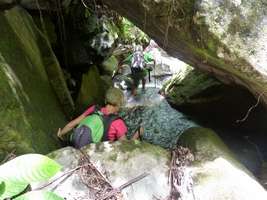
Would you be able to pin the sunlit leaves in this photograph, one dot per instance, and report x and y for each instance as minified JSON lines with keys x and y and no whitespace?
{"x":26,"y":169}
{"x":12,"y":188}
{"x":2,"y":187}
{"x":39,"y":195}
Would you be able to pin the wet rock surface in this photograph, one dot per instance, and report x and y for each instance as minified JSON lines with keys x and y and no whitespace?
{"x":161,"y":122}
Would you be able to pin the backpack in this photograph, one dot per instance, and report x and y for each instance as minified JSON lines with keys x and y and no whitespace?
{"x":93,"y":129}
{"x":138,"y":62}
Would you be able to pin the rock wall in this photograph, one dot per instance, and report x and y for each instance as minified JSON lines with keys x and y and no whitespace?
{"x":29,"y":109}
{"x":92,"y":90}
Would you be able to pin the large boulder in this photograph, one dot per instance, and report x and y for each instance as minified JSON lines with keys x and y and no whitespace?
{"x":92,"y":90}
{"x":29,"y":109}
{"x":216,"y":174}
{"x":225,"y":38}
{"x":110,"y":65}
{"x":120,"y":162}
{"x":162,"y":124}
{"x":192,"y":87}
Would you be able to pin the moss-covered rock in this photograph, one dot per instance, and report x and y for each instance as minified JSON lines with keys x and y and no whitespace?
{"x":45,"y":24}
{"x":216,"y":172}
{"x":92,"y":90}
{"x":205,"y":144}
{"x":110,"y":65}
{"x":192,"y":87}
{"x":29,"y":110}
{"x":215,"y":176}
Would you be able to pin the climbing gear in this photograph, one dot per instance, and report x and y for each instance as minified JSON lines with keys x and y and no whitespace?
{"x":114,"y":96}
{"x":93,"y":129}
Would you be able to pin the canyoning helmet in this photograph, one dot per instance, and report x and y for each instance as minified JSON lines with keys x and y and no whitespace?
{"x":138,"y":47}
{"x":114,"y":96}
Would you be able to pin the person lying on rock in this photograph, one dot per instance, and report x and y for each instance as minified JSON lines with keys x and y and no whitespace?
{"x":96,"y":125}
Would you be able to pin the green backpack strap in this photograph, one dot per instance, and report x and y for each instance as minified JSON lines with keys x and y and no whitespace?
{"x":94,"y":121}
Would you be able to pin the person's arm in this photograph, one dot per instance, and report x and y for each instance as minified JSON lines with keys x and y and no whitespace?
{"x":137,"y":135}
{"x":70,"y":126}
{"x":118,"y":130}
{"x":122,"y":138}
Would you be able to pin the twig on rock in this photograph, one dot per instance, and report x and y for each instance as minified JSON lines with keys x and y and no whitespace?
{"x":250,"y":109}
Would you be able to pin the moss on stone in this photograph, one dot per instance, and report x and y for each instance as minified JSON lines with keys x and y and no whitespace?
{"x":99,"y":147}
{"x":113,"y":157}
{"x":30,"y":113}
{"x":48,"y":28}
{"x":136,"y":146}
{"x":193,"y":87}
{"x":206,"y":145}
{"x":92,"y":90}
{"x":109,"y":66}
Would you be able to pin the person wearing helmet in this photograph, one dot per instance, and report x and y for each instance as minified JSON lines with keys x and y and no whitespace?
{"x":96,"y":125}
{"x":138,"y":62}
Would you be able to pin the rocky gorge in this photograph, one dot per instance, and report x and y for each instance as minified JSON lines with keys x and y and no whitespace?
{"x":56,"y":58}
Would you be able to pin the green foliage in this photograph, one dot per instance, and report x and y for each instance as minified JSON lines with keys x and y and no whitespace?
{"x":40,"y":195}
{"x":12,"y":188}
{"x":18,"y":173}
{"x":2,"y":187}
{"x":130,"y":33}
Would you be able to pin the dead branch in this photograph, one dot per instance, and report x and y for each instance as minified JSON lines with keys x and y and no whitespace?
{"x":9,"y":156}
{"x":181,"y":158}
{"x":62,"y":175}
{"x":250,"y":109}
{"x":134,"y":180}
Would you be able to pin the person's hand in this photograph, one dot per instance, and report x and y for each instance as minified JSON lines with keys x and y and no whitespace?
{"x":59,"y":134}
{"x":141,"y":130}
